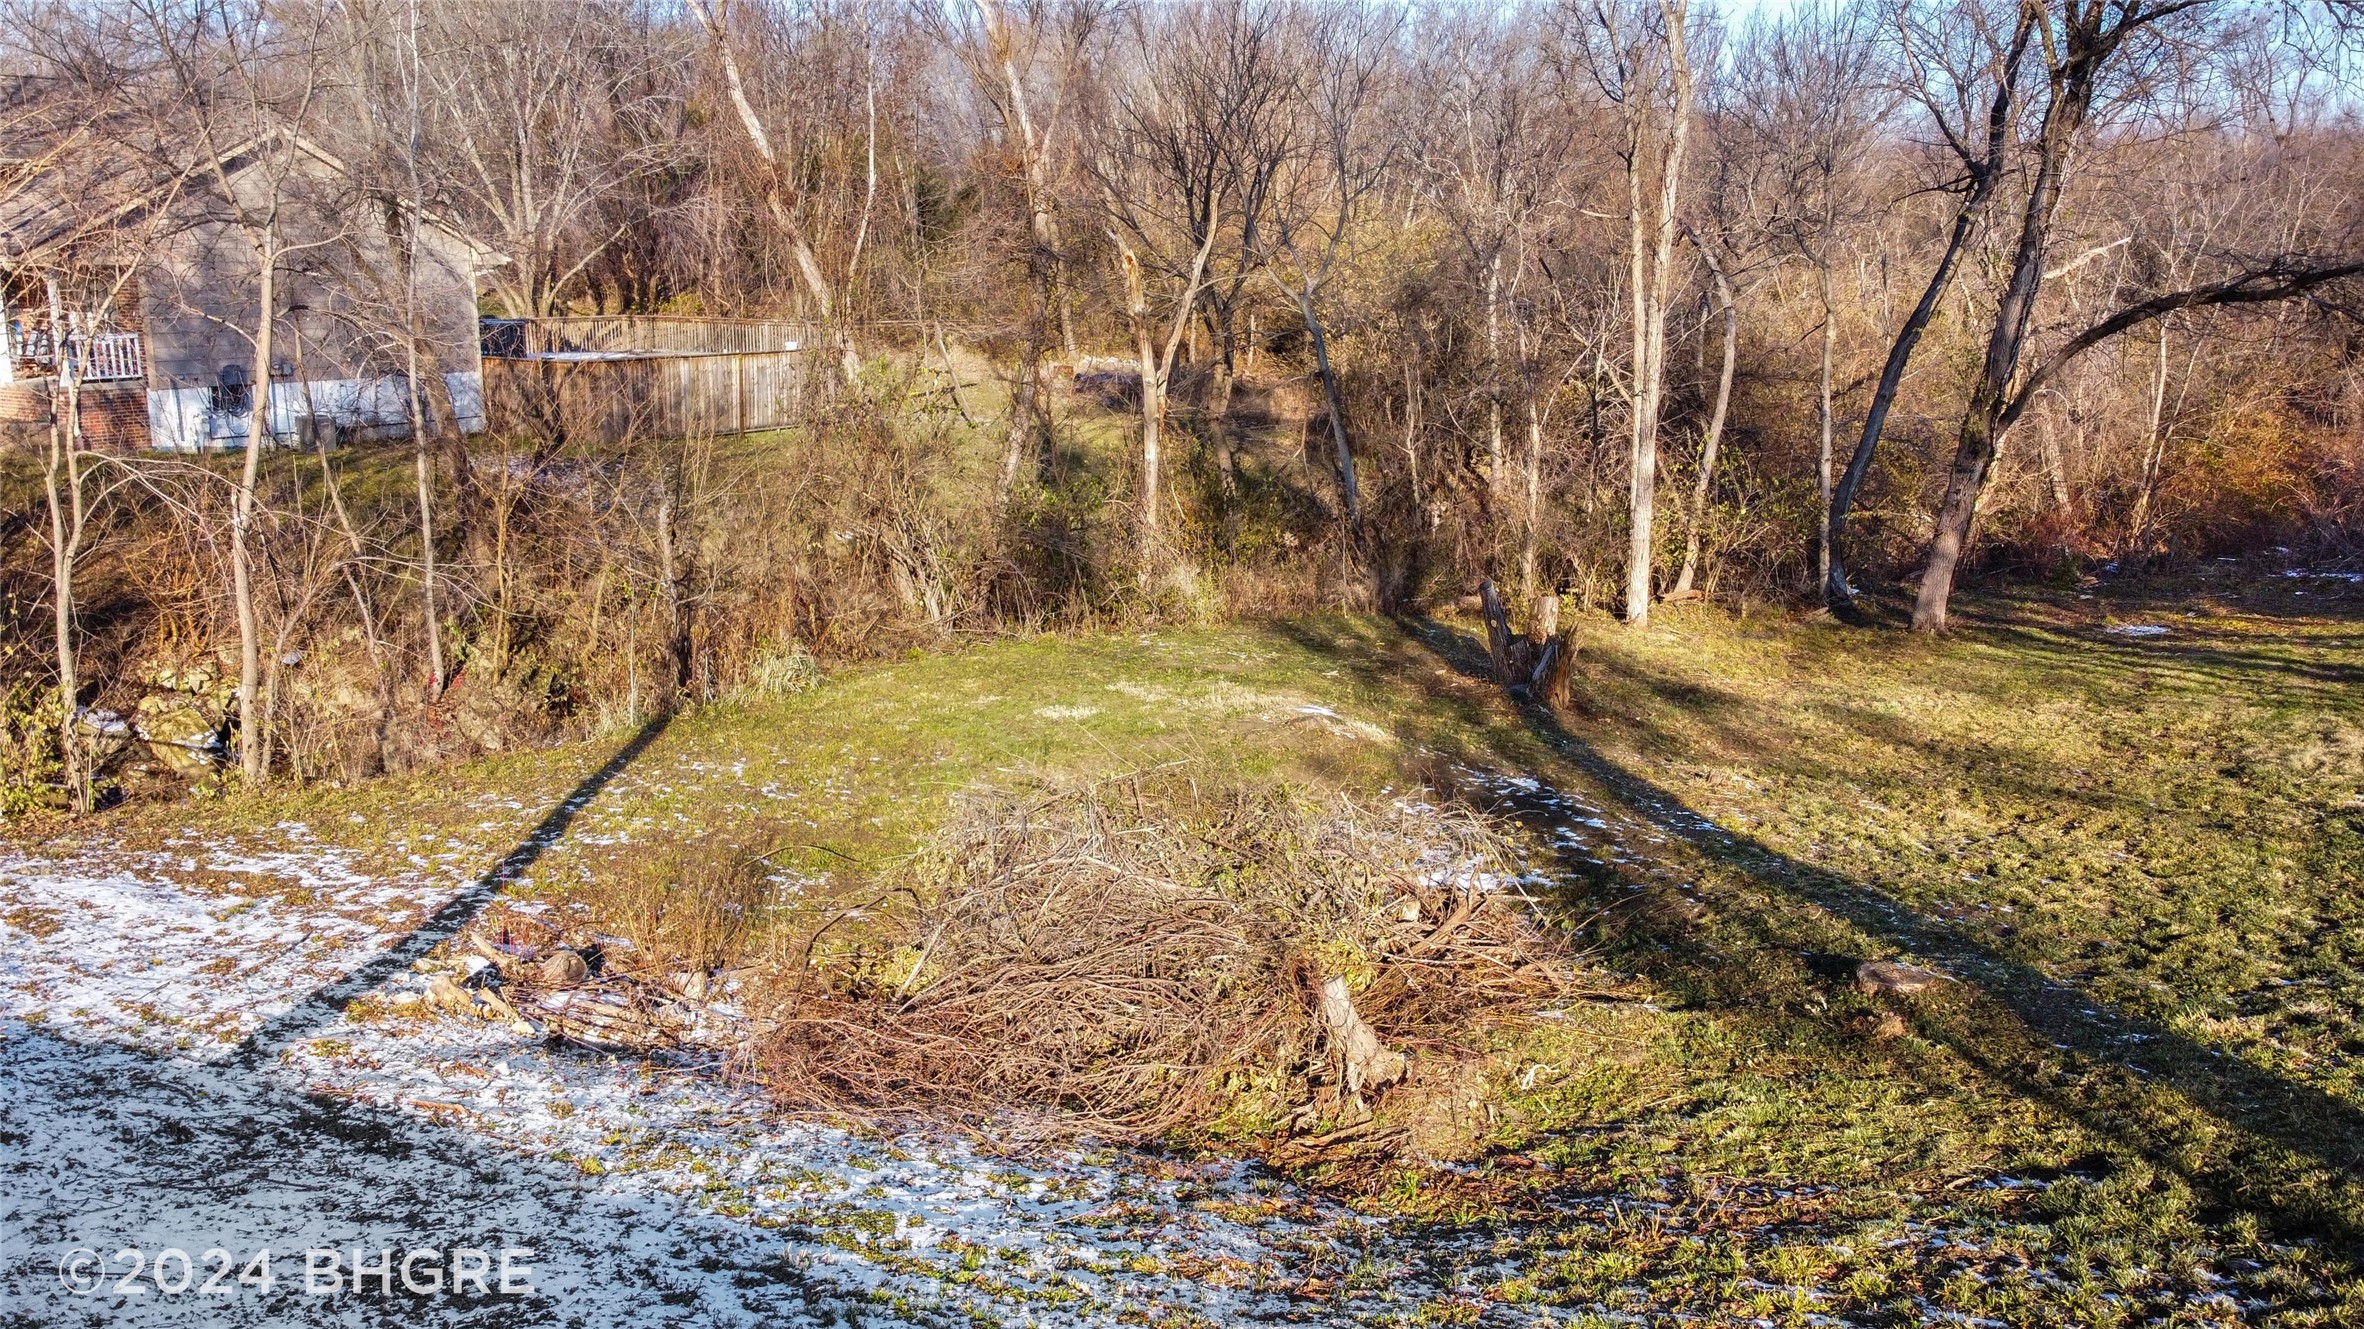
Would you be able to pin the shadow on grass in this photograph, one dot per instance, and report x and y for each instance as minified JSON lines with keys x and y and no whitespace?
{"x":326,"y":1006}
{"x":2294,"y":1154}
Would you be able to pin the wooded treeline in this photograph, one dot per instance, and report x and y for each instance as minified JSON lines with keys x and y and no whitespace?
{"x":1631,"y":298}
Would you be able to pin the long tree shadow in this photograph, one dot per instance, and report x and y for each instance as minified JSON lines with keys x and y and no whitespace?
{"x":327,"y":1005}
{"x":2194,"y":658}
{"x":2295,"y":1154}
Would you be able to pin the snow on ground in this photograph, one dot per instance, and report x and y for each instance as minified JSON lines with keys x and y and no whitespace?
{"x":105,"y":1149}
{"x":193,"y":946}
{"x":930,"y":1223}
{"x":128,"y":979}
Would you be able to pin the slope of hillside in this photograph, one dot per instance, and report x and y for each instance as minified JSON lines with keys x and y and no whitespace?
{"x":2132,"y":1094}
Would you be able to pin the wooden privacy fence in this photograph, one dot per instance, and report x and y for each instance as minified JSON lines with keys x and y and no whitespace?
{"x":607,"y":380}
{"x":519,"y":337}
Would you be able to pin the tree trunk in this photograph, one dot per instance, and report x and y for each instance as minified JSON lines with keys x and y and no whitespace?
{"x":677,"y":633}
{"x":1496,"y":480}
{"x":2055,"y":468}
{"x":1153,"y":397}
{"x":1984,"y":173}
{"x":2154,"y":449}
{"x":258,"y":423}
{"x":1822,"y":461}
{"x":1349,"y":490}
{"x":1498,"y":634}
{"x":1714,"y":437}
{"x":1652,"y":243}
{"x":1030,"y":417}
{"x":420,"y":435}
{"x":423,"y":467}
{"x":1412,"y":431}
{"x":1156,"y":368}
{"x":1529,"y":546}
{"x":65,"y":532}
{"x":1019,"y":439}
{"x":808,"y":265}
{"x":1974,"y":452}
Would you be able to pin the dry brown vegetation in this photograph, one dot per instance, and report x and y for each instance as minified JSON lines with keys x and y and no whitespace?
{"x":1134,"y":959}
{"x":1180,"y":311}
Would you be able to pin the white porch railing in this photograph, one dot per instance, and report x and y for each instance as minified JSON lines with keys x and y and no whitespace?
{"x":30,"y":348}
{"x":100,"y":357}
{"x":111,"y":355}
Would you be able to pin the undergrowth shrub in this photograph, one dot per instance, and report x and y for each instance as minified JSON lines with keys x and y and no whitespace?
{"x":692,"y":906}
{"x":32,"y":771}
{"x":782,"y":669}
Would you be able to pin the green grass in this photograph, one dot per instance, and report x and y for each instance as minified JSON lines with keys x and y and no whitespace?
{"x":2140,"y":1103}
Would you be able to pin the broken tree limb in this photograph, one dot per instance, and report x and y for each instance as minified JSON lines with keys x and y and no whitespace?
{"x":1555,"y":672}
{"x":1545,"y":662}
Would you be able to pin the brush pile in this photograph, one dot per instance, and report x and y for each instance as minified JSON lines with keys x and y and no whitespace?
{"x":1129,"y":959}
{"x":1126,"y":961}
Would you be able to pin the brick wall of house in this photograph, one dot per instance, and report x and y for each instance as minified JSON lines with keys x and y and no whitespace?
{"x":114,"y":415}
{"x":25,"y":403}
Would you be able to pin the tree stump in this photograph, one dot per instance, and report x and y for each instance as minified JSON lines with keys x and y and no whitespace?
{"x":1368,"y":1063}
{"x":1498,"y":635}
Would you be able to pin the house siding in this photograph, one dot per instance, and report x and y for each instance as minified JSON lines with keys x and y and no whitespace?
{"x":184,"y":420}
{"x":334,"y":364}
{"x":339,"y":360}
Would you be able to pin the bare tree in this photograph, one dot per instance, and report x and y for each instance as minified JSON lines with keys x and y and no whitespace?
{"x":2084,"y":43}
{"x":1163,"y":164}
{"x":1322,"y":187}
{"x":779,"y":192}
{"x":1003,"y":54}
{"x":1493,"y":159}
{"x":1813,"y":113}
{"x":243,"y":79}
{"x":1712,"y":437}
{"x":1638,"y":56}
{"x":1967,"y":76}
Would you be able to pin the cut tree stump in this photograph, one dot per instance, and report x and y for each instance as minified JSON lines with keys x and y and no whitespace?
{"x":1498,"y":635}
{"x":1533,"y":667}
{"x":1547,"y":619}
{"x":1369,"y":1063}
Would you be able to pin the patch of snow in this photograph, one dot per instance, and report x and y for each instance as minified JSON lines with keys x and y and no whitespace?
{"x":128,"y":946}
{"x":650,"y":1195}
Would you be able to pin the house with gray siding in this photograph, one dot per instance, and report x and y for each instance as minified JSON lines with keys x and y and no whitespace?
{"x":140,"y":283}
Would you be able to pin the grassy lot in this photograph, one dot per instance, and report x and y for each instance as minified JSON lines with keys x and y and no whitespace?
{"x":2138,"y":855}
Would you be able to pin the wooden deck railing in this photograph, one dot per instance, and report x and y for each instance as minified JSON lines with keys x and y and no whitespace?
{"x":100,"y":357}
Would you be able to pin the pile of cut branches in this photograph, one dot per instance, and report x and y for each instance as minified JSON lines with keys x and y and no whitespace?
{"x":539,"y":979}
{"x":1127,"y":959}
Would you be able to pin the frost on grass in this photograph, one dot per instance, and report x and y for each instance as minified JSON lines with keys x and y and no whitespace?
{"x":651,"y":1193}
{"x":193,"y":946}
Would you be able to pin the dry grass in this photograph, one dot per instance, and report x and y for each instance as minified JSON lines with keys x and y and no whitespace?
{"x":690,"y":906}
